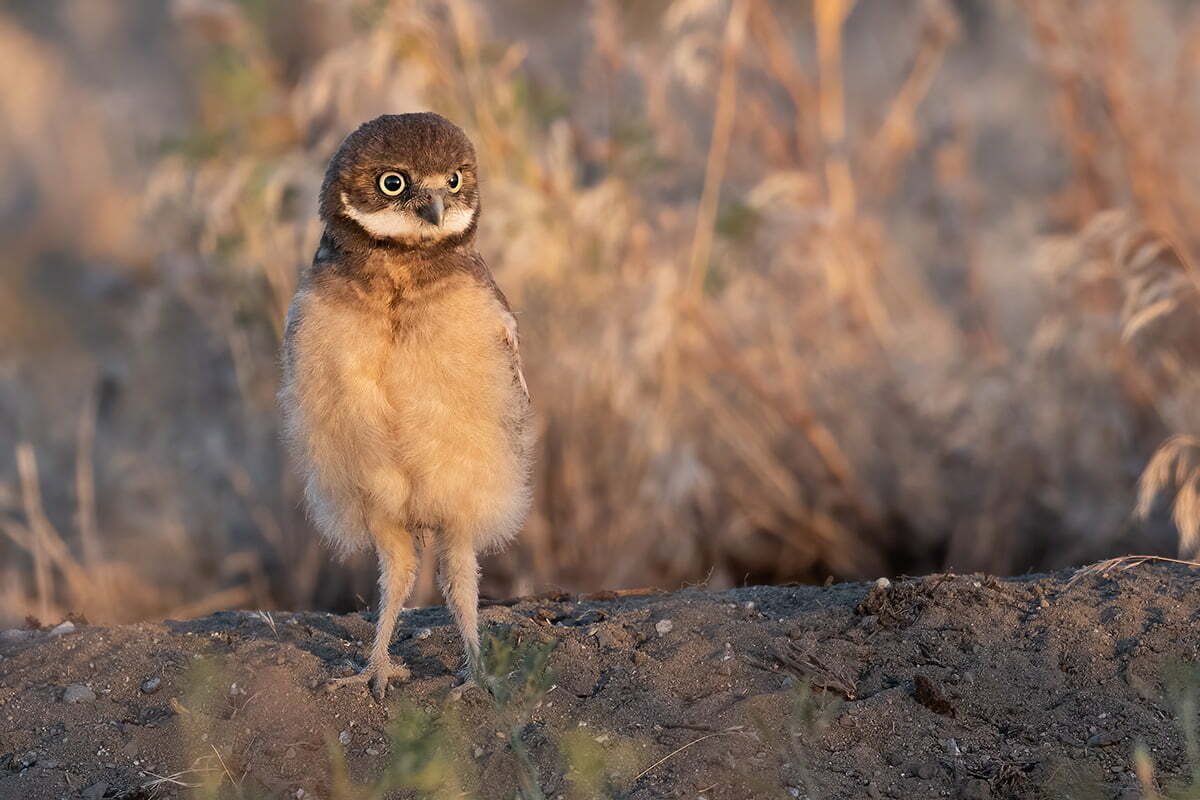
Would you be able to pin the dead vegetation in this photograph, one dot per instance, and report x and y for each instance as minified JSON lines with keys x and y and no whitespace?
{"x":800,"y":299}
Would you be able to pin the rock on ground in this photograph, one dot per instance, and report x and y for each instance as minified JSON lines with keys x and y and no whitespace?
{"x":944,"y":686}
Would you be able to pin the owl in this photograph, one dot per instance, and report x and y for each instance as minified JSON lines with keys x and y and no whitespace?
{"x":402,"y":394}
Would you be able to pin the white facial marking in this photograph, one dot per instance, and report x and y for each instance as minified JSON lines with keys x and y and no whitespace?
{"x":392,"y":224}
{"x":456,"y":220}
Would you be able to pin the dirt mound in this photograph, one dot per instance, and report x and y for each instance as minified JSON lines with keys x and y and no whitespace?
{"x":959,"y":686}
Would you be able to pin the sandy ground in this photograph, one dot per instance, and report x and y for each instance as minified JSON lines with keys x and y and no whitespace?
{"x":943,"y":686}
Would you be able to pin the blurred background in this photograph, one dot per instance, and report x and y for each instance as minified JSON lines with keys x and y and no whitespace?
{"x":808,"y":290}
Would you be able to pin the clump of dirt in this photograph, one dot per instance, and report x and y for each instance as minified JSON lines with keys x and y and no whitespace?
{"x":945,"y":686}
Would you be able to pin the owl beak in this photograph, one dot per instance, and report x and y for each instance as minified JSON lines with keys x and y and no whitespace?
{"x":433,"y":210}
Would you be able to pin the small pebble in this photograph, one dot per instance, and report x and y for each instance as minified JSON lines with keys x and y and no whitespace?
{"x":151,"y":685}
{"x":423,"y":633}
{"x":1103,"y":739}
{"x":344,"y":737}
{"x":883,"y":583}
{"x":371,"y":751}
{"x":78,"y":693}
{"x":664,"y":626}
{"x":64,"y":628}
{"x":606,"y":639}
{"x":95,"y":791}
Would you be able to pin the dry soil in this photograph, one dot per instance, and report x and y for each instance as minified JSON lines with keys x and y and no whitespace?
{"x":944,"y":686}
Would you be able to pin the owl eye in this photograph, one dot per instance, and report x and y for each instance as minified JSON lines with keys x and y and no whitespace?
{"x":455,"y":182}
{"x":391,"y":183}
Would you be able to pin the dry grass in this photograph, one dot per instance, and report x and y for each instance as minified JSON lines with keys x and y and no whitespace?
{"x":1121,"y":564}
{"x":1176,"y":468}
{"x":807,"y":289}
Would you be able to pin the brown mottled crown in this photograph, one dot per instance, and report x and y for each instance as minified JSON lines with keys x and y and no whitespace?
{"x":426,"y":148}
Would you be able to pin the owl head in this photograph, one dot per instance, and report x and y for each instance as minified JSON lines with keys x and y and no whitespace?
{"x":403,"y":180}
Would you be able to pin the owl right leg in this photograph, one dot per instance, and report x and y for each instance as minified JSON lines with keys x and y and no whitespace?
{"x":398,"y":562}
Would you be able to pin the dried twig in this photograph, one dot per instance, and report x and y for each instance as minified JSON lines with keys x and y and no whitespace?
{"x":1123,"y":563}
{"x":718,"y":149}
{"x":671,"y":755}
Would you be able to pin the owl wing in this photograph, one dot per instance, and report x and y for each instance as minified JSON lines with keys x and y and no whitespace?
{"x":509,"y":334}
{"x":514,"y":350}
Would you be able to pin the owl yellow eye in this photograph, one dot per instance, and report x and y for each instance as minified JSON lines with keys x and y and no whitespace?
{"x":392,"y":183}
{"x":455,"y":183}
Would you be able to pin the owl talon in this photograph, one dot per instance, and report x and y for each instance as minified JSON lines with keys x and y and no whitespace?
{"x":470,"y":684}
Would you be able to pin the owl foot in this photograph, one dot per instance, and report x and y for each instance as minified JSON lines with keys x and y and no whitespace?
{"x":376,"y":676}
{"x":472,"y":678}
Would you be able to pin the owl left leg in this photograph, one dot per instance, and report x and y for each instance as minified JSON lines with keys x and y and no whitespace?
{"x":458,"y":574}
